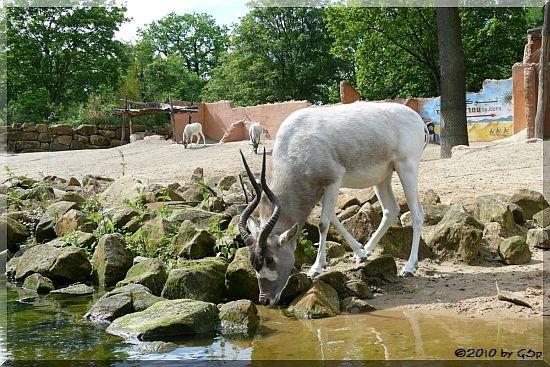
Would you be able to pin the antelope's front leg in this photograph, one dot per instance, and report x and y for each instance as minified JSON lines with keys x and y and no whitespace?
{"x":329,"y":203}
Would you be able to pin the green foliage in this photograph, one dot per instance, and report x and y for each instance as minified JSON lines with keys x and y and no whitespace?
{"x":306,"y":245}
{"x":14,"y":198}
{"x":277,"y":54}
{"x":123,"y":164}
{"x":225,"y":247}
{"x":58,"y":56}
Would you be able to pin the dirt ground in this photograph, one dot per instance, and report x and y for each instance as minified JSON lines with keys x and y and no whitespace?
{"x":484,"y":168}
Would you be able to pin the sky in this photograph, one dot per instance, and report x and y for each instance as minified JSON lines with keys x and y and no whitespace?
{"x":225,"y":12}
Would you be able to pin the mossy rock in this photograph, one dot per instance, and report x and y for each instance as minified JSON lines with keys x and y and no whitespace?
{"x":542,"y":218}
{"x":514,"y":251}
{"x":111,"y":260}
{"x":192,"y":243}
{"x":150,"y":272}
{"x":531,"y":202}
{"x":38,"y":283}
{"x":239,"y":318}
{"x":240,"y":278}
{"x":173,"y":318}
{"x":320,"y":301}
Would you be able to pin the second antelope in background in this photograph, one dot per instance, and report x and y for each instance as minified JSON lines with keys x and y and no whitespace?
{"x":194,"y":129}
{"x":255,"y":131}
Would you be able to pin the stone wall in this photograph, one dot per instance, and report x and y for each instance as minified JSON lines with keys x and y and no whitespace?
{"x":30,"y":137}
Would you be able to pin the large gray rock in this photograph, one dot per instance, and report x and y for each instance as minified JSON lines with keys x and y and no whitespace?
{"x":239,"y":318}
{"x":529,"y":201}
{"x":121,"y":301}
{"x":125,"y":187}
{"x":538,"y":237}
{"x":355,"y":305}
{"x":38,"y":283}
{"x":514,"y":251}
{"x":158,"y":229}
{"x":111,"y":260}
{"x":150,"y":272}
{"x":61,"y":264}
{"x":363,"y":224}
{"x":77,"y":289}
{"x":45,"y":229}
{"x":192,"y":243}
{"x":13,"y":233}
{"x":39,"y":193}
{"x":240,"y":278}
{"x":493,"y":208}
{"x":121,"y":216}
{"x":457,"y":237}
{"x":167,"y":319}
{"x":321,"y":300}
{"x":542,"y":218}
{"x":73,"y":220}
{"x":201,"y":280}
{"x":397,"y":242}
{"x":200,"y":218}
{"x":297,"y":284}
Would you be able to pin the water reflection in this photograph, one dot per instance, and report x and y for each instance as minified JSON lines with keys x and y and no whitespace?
{"x":52,"y":328}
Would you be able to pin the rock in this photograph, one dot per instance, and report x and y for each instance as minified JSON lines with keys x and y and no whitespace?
{"x":111,"y":260}
{"x":514,"y":251}
{"x":167,"y":319}
{"x":321,"y":300}
{"x":457,"y":237}
{"x":429,"y":197}
{"x":150,"y":272}
{"x":78,"y":239}
{"x":158,"y":229}
{"x":121,"y":301}
{"x":239,"y":318}
{"x":542,"y":218}
{"x":538,"y":237}
{"x":192,"y":195}
{"x":39,"y":193}
{"x":355,"y":305}
{"x":200,"y":218}
{"x":226,"y":183}
{"x":158,"y":193}
{"x":529,"y":201}
{"x":337,"y":280}
{"x":517,"y":212}
{"x":196,"y":176}
{"x":311,"y":227}
{"x":61,"y":264}
{"x":493,"y":208}
{"x":201,"y":280}
{"x":121,"y":216}
{"x":61,"y":129}
{"x":363,"y":224}
{"x":335,"y":249}
{"x":45,"y":229}
{"x":214,"y":204}
{"x":73,"y":220}
{"x":15,"y":233}
{"x":297,"y":284}
{"x":74,"y":198}
{"x":359,"y":289}
{"x":77,"y":289}
{"x":434,"y":213}
{"x":397,"y":242}
{"x":345,"y":200}
{"x":492,"y":236}
{"x":240,"y":278}
{"x":192,"y":243}
{"x":123,"y":188}
{"x":349,"y":212}
{"x":382,"y":267}
{"x":38,"y":283}
{"x":73,"y":182}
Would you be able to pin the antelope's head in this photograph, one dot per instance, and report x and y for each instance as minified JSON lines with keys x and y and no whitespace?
{"x":271,"y":252}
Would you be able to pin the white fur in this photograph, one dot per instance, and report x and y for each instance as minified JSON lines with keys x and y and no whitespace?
{"x":140,"y":135}
{"x":359,"y":145}
{"x":255,"y":131}
{"x":191,"y":130}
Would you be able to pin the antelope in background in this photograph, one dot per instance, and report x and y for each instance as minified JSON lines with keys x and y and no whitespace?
{"x":255,"y":131}
{"x":318,"y":150}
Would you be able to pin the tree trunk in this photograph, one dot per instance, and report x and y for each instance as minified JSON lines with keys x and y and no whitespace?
{"x":452,"y":82}
{"x":544,"y":75}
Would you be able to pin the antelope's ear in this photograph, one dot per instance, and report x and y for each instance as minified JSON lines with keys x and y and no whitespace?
{"x":289,"y":235}
{"x":253,"y":227}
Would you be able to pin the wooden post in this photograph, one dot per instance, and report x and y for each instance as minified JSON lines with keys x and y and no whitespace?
{"x":124,"y":121}
{"x":172,"y":121}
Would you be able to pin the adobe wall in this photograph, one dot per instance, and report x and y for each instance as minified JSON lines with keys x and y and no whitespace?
{"x":217,"y":118}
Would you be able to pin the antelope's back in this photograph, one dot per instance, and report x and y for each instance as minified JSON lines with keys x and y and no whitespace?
{"x":353,"y":136}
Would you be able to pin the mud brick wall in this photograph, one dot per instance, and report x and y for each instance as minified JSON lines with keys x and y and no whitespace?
{"x":29,"y":137}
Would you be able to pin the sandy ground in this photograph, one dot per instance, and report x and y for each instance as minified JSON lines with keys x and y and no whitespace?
{"x":481,"y":169}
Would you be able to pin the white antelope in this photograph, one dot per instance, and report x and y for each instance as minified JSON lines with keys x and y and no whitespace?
{"x":191,"y":130}
{"x":317,"y":151}
{"x":255,"y":131}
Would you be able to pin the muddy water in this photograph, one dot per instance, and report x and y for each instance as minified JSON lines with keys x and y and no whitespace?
{"x":52,"y":328}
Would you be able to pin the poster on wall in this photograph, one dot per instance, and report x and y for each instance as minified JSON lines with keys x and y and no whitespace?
{"x":489,"y":113}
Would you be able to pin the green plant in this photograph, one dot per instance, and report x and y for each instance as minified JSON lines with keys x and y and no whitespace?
{"x":13,"y":196}
{"x":306,"y":244}
{"x":206,"y":192}
{"x":122,"y":163}
{"x":225,"y":246}
{"x":137,"y":241}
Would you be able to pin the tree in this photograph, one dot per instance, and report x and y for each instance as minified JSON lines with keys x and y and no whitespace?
{"x":277,"y":54}
{"x":68,"y":52}
{"x":453,"y":91}
{"x":196,"y":38}
{"x":544,"y":76}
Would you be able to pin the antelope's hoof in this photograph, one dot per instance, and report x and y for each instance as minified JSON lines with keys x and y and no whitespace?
{"x":406,"y":274}
{"x":313,"y":273}
{"x":361,"y":259}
